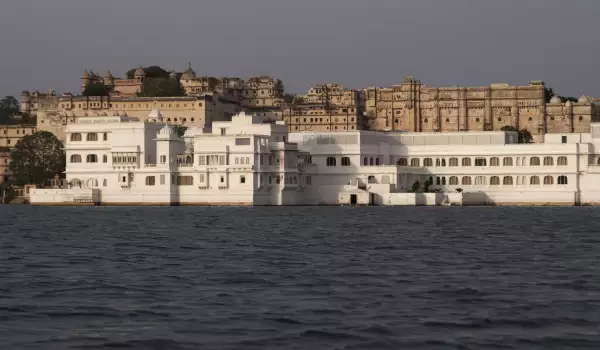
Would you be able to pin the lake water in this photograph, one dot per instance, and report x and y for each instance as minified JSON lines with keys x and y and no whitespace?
{"x":299,"y":278}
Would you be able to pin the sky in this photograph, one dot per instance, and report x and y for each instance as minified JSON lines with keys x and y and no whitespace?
{"x":358,"y":43}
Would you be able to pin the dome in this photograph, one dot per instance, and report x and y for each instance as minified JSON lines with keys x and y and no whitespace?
{"x":555,"y":99}
{"x":166,"y":131}
{"x":189,"y":73}
{"x":585,"y":100}
{"x":155,"y":115}
{"x":173,"y":75}
{"x":139,"y":72}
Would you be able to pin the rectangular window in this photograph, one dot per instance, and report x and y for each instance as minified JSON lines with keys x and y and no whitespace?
{"x":163,"y":159}
{"x":242,"y":141}
{"x":185,"y":180}
{"x":201,"y":160}
{"x":162,"y":179}
{"x":201,"y":177}
{"x":223,"y":131}
{"x":242,"y":179}
{"x":150,"y":181}
{"x":564,"y":139}
{"x":222,"y":160}
{"x":222,"y":179}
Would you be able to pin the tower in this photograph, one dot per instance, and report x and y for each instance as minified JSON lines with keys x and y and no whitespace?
{"x":85,"y":80}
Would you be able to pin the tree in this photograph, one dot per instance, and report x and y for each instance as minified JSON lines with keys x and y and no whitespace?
{"x":151,"y":72}
{"x":9,"y":107}
{"x":524,"y":134}
{"x":37,"y":158}
{"x":179,"y":130}
{"x":95,"y":89}
{"x":415,"y":186}
{"x":159,"y":87}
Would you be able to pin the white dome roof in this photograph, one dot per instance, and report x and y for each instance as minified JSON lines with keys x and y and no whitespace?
{"x":155,"y":114}
{"x":555,"y":99}
{"x":585,"y":99}
{"x":166,"y":131}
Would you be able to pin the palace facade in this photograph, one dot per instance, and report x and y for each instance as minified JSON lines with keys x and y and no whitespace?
{"x":10,"y":135}
{"x":247,"y":161}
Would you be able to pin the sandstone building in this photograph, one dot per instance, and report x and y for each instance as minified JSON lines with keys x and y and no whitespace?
{"x":10,"y":135}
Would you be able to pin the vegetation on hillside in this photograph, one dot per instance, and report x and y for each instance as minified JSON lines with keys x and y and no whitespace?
{"x":37,"y":158}
{"x":95,"y":89}
{"x":160,"y":87}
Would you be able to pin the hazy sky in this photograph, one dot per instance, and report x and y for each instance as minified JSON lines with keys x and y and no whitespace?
{"x":48,"y":43}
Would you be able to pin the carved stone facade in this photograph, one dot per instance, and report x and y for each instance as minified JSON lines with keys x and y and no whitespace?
{"x":413,"y":106}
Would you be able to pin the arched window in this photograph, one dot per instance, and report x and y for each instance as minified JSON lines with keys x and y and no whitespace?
{"x":105,"y":159}
{"x":438,"y":162}
{"x":548,"y":180}
{"x":105,"y":137}
{"x":507,"y":161}
{"x":443,"y":181}
{"x":494,"y":181}
{"x":427,"y":162}
{"x":371,"y":179}
{"x":331,"y":161}
{"x":365,"y":161}
{"x":402,"y":162}
{"x":518,"y":161}
{"x":189,"y":160}
{"x":415,"y":162}
{"x":562,"y":161}
{"x":237,"y":160}
{"x":466,"y":162}
{"x":76,"y":137}
{"x":377,"y":161}
{"x":345,"y":161}
{"x":92,"y":137}
{"x":562,"y":180}
{"x":453,"y":162}
{"x":507,"y":180}
{"x":443,"y":162}
{"x":150,"y":180}
{"x":371,"y":161}
{"x":548,"y":161}
{"x":480,"y":161}
{"x":480,"y":181}
{"x":453,"y":181}
{"x":466,"y":180}
{"x":91,"y":158}
{"x":75,"y":158}
{"x":438,"y":180}
{"x":494,"y":161}
{"x":534,"y":161}
{"x":534,"y":180}
{"x":104,"y":182}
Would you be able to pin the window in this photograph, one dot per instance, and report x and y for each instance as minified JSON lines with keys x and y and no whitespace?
{"x":508,"y":180}
{"x":548,"y":161}
{"x":548,"y":180}
{"x":402,"y":162}
{"x":76,"y":137}
{"x":534,"y":180}
{"x":345,"y":161}
{"x":507,"y":161}
{"x":562,"y":180}
{"x":534,"y":161}
{"x":150,"y":181}
{"x":453,"y":162}
{"x":91,"y":158}
{"x":223,"y":131}
{"x":104,"y":183}
{"x":562,"y":161}
{"x":242,"y":141}
{"x":365,"y":161}
{"x":564,"y":139}
{"x":163,"y":159}
{"x":105,"y":137}
{"x":377,"y":161}
{"x":427,"y":162}
{"x":466,"y":180}
{"x":371,"y":161}
{"x":438,"y":162}
{"x":480,"y":161}
{"x":92,"y":137}
{"x":494,"y":161}
{"x":201,"y":178}
{"x":105,"y":159}
{"x":453,"y":181}
{"x":185,"y":180}
{"x":75,"y":158}
{"x":222,"y":179}
{"x":466,"y":162}
{"x":202,"y":160}
{"x":330,"y":161}
{"x":494,"y":181}
{"x":162,"y":179}
{"x":242,"y":179}
{"x":480,"y":180}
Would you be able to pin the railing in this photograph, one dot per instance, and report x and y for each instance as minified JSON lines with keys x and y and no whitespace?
{"x":150,"y":165}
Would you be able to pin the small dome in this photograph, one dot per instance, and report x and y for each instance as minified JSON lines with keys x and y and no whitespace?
{"x":155,"y":115}
{"x":139,"y":72}
{"x":189,"y":73}
{"x":166,"y":131}
{"x":173,"y":75}
{"x":555,"y":99}
{"x":585,"y":100}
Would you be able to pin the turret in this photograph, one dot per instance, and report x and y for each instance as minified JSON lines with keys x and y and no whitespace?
{"x":85,"y":80}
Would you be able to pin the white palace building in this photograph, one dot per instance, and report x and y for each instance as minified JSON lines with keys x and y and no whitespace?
{"x":122,"y":161}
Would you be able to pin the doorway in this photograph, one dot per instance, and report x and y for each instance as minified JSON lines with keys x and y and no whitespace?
{"x":353,"y":199}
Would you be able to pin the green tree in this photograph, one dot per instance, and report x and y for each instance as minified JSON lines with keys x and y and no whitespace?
{"x":415,"y":186}
{"x":151,"y":72}
{"x":9,"y":107}
{"x":524,"y":134}
{"x":179,"y":129}
{"x":95,"y":89}
{"x":159,"y":87}
{"x":37,"y":158}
